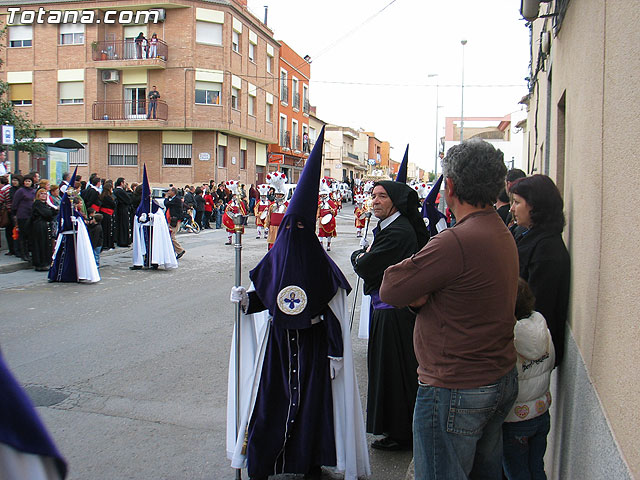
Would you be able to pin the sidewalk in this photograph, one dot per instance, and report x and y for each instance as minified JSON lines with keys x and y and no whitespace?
{"x":10,"y":263}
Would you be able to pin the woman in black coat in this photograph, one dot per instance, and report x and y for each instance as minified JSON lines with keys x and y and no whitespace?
{"x":40,"y":231}
{"x":108,"y":210}
{"x":199,"y":207}
{"x":544,"y":259}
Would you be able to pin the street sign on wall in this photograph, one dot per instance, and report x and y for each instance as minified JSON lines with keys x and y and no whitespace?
{"x":276,"y":158}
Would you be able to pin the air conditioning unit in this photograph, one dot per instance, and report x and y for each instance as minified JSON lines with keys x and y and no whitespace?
{"x":161,"y":14}
{"x":110,"y":76}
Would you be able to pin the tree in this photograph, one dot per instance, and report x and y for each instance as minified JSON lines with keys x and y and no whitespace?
{"x":432,"y":176}
{"x":24,"y":129}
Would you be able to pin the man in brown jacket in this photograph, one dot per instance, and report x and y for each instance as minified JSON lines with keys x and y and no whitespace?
{"x":463,"y":286}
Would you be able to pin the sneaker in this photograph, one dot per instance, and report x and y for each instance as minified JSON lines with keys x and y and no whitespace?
{"x":258,"y":237}
{"x":227,"y":243}
{"x":388,"y":444}
{"x":178,"y":256}
{"x":328,"y":248}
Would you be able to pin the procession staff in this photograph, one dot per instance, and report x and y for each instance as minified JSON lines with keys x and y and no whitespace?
{"x":391,"y":362}
{"x":301,"y":406}
{"x":259,"y":210}
{"x":234,"y":207}
{"x":276,"y":211}
{"x":327,"y":211}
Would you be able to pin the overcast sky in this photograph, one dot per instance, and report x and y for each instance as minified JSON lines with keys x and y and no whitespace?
{"x":371,"y":60}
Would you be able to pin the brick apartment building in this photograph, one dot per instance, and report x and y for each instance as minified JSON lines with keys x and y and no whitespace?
{"x":294,"y":142}
{"x":215,"y":65}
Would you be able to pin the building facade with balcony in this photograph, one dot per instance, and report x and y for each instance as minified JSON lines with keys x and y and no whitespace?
{"x":342,"y":161}
{"x":582,"y":131}
{"x":214,"y":65}
{"x":293,"y":146}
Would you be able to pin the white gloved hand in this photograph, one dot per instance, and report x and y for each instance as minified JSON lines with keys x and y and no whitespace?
{"x":239,"y":295}
{"x":364,"y":243}
{"x":73,"y":219}
{"x":335,"y":365}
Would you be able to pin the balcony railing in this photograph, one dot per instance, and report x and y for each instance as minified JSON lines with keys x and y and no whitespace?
{"x":284,"y":93}
{"x":129,"y":50}
{"x":306,"y":107}
{"x":285,"y":139}
{"x":296,"y":142}
{"x":296,"y":100}
{"x":352,"y":155}
{"x":128,"y":110}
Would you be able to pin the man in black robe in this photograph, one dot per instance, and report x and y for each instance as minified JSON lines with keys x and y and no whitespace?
{"x":391,"y":361}
{"x":122,"y":220}
{"x":91,"y":194}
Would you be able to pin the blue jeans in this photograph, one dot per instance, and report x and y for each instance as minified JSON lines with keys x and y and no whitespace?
{"x":96,"y":255}
{"x":219,"y":214}
{"x":457,"y":433}
{"x":524,"y":446}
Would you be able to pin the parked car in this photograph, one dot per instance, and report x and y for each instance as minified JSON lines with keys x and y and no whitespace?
{"x":158,"y":193}
{"x":289,"y":188}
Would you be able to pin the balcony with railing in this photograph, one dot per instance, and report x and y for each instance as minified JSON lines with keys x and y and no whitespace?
{"x":284,"y":93}
{"x":306,"y":107}
{"x":285,"y":139}
{"x":128,"y":53}
{"x":296,"y":143}
{"x":128,"y":110}
{"x":296,"y":100}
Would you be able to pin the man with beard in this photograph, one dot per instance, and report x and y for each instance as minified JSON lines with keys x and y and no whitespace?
{"x":122,"y":220}
{"x":391,"y":362}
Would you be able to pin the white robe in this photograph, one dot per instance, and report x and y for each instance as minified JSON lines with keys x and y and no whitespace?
{"x":352,"y":454}
{"x":85,"y":261}
{"x":162,"y":252}
{"x":15,"y":464}
{"x":365,"y":311}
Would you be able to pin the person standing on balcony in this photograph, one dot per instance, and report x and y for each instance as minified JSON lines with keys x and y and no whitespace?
{"x":139,"y":40}
{"x":153,"y":46}
{"x":154,"y":95}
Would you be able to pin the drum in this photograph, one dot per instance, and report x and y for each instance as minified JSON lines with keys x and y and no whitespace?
{"x":326,"y":219}
{"x":263,"y":215}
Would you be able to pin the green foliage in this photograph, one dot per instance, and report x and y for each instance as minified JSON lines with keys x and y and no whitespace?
{"x":24,"y":129}
{"x":432,"y":176}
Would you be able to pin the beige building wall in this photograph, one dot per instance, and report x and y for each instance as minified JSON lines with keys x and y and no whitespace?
{"x":590,"y":147}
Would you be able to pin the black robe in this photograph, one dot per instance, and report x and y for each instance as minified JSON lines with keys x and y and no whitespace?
{"x":91,"y":198}
{"x":546,"y":266}
{"x":109,"y":204}
{"x":41,"y":247}
{"x":123,"y":218}
{"x":391,"y":361}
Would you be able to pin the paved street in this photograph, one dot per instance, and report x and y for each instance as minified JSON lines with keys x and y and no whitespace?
{"x":130,"y":374}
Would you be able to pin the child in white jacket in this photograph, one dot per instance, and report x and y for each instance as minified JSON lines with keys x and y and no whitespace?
{"x":527,"y":424}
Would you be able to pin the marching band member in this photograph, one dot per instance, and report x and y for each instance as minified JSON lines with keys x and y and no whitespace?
{"x":327,"y":210}
{"x":360,"y":214}
{"x":336,"y":196}
{"x":235,"y":206}
{"x":260,"y":210}
{"x":277,"y":209}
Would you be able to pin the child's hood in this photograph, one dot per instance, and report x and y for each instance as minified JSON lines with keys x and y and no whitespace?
{"x":532,"y":337}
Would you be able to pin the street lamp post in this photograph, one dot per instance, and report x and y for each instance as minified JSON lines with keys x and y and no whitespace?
{"x":463,"y":43}
{"x":432,"y":75}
